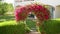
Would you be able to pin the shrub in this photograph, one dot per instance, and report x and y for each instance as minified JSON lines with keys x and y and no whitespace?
{"x":51,"y":27}
{"x":31,"y":24}
{"x":12,"y":28}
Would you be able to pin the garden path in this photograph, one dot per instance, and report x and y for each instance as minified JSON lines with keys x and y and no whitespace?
{"x":34,"y":33}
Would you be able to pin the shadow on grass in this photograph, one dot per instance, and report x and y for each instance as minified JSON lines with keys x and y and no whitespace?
{"x":6,"y":18}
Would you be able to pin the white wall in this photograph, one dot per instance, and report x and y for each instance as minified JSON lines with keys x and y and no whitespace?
{"x":57,"y":12}
{"x":49,"y":2}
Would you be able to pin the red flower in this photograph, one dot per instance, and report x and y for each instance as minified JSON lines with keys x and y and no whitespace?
{"x":40,"y":12}
{"x":46,"y":17}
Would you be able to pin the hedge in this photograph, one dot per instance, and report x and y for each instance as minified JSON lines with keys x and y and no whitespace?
{"x":51,"y":27}
{"x":12,"y":28}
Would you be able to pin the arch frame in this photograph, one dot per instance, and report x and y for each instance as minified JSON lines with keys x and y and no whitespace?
{"x":42,"y":13}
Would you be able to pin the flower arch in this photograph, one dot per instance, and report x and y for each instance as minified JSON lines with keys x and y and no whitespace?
{"x":40,"y":11}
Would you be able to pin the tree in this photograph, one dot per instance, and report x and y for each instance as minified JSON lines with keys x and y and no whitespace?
{"x":10,"y":7}
{"x":0,"y":0}
{"x":0,"y":8}
{"x":5,"y":7}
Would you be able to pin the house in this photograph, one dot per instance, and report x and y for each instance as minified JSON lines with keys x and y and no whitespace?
{"x":57,"y":11}
{"x":53,"y":5}
{"x":23,"y":2}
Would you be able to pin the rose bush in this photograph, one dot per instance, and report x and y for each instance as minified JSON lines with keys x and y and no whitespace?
{"x":40,"y":11}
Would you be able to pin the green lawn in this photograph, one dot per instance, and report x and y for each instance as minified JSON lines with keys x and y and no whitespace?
{"x":7,"y":23}
{"x":9,"y":26}
{"x":6,"y":18}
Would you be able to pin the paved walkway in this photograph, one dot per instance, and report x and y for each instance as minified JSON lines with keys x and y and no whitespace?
{"x":33,"y":32}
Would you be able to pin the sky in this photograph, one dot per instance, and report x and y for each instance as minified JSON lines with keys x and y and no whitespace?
{"x":50,"y":2}
{"x":9,"y":1}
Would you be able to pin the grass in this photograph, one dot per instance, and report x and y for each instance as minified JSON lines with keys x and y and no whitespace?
{"x":7,"y":23}
{"x":6,"y":18}
{"x":9,"y":26}
{"x":51,"y":26}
